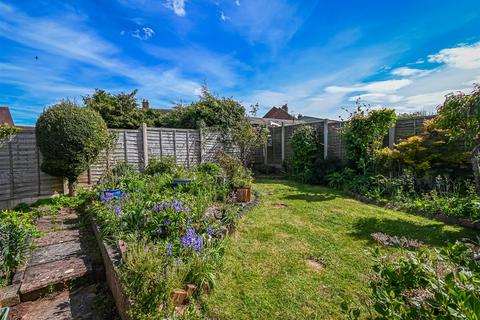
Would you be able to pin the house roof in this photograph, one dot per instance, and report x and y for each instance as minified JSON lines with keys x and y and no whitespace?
{"x":5,"y":116}
{"x":278,"y":113}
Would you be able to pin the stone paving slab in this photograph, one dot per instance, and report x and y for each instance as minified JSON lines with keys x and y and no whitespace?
{"x":9,"y":295}
{"x":76,"y":305}
{"x":58,"y":222}
{"x":56,"y":237}
{"x":55,"y":252}
{"x":41,"y":276}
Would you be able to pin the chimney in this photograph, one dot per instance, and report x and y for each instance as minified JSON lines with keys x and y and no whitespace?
{"x":145,"y":104}
{"x":285,"y":107}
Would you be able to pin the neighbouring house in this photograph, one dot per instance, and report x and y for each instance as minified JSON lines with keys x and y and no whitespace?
{"x":5,"y":116}
{"x":278,"y":116}
{"x":146,"y":105}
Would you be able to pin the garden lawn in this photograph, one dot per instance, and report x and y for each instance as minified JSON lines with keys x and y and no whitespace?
{"x":266,"y":274}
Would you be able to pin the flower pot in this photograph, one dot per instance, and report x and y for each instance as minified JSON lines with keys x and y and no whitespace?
{"x":110,"y":194}
{"x":180,"y":182}
{"x":244,"y":194}
{"x":4,"y":313}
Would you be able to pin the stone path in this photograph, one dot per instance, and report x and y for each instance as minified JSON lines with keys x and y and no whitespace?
{"x":57,"y":280}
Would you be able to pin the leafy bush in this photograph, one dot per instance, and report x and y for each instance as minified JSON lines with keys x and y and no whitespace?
{"x":162,"y":165}
{"x":16,"y":232}
{"x":70,"y":138}
{"x":210,"y":168}
{"x":236,"y":173}
{"x":304,"y":147}
{"x":364,"y":133}
{"x":425,"y":285}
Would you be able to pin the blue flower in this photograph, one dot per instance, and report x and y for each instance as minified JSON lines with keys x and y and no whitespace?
{"x":192,"y":240}
{"x":159,"y":231}
{"x":158,"y":207}
{"x":169,"y":249}
{"x":187,"y":209}
{"x":167,"y":222}
{"x":210,"y":230}
{"x":117,"y":209}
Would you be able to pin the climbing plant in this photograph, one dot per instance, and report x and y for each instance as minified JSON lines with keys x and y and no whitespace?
{"x":304,"y":148}
{"x":364,"y":133}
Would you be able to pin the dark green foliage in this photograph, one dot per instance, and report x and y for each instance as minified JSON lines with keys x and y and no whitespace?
{"x":162,"y":165}
{"x":237,"y":175}
{"x":121,"y":111}
{"x":70,"y":138}
{"x":210,"y":168}
{"x":364,"y":133}
{"x":7,"y":131}
{"x":304,"y":148}
{"x":209,"y":111}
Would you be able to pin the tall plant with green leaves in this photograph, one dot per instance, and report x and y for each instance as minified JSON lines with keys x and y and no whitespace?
{"x":364,"y":133}
{"x":459,"y":115}
{"x":304,"y":147}
{"x":70,"y":138}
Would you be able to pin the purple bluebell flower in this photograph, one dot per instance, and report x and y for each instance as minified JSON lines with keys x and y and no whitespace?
{"x":187,"y":209}
{"x":117,"y":209}
{"x":159,"y":231}
{"x":169,"y":249}
{"x":167,"y":205}
{"x":189,"y":220}
{"x":210,"y":231}
{"x":167,"y":222}
{"x":192,"y":240}
{"x":158,"y":207}
{"x":123,"y":223}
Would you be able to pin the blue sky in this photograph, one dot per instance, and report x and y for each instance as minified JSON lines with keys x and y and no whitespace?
{"x":317,"y":56}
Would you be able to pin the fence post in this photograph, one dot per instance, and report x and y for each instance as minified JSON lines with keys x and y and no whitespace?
{"x":283,"y":142}
{"x":265,"y":160}
{"x":200,"y":140}
{"x":325,"y":139}
{"x":160,"y":142}
{"x":39,"y":182}
{"x":125,"y":150}
{"x":145,"y":145}
{"x":391,"y":137}
{"x":12,"y":173}
{"x":175,"y":145}
{"x":188,"y":148}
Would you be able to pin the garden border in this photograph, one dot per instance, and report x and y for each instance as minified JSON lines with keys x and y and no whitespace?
{"x":463,"y":222}
{"x":111,"y":260}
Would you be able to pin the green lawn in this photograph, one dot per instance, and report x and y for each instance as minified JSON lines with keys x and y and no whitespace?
{"x":265,"y":272}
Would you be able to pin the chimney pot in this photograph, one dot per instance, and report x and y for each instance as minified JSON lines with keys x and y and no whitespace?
{"x":285,"y":108}
{"x":145,"y":104}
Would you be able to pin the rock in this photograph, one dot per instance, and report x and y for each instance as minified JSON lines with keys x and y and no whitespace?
{"x":9,"y":295}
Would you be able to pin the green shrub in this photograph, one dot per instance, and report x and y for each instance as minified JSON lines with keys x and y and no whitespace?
{"x":16,"y":232}
{"x":70,"y":138}
{"x":210,"y":168}
{"x":236,"y":173}
{"x":7,"y":131}
{"x":167,"y":164}
{"x":364,"y":133}
{"x":425,"y":285}
{"x":304,"y":147}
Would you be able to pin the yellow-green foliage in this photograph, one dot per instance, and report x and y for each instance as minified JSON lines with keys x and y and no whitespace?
{"x":432,"y":153}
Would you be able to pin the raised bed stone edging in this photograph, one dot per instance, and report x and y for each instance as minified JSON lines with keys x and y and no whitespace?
{"x":464,"y":222}
{"x":111,"y":260}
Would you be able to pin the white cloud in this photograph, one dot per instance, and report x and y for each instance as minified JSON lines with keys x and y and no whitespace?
{"x":377,"y":98}
{"x":144,"y":33}
{"x":463,"y":56}
{"x":223,"y":17}
{"x":407,"y":72}
{"x":76,"y":50}
{"x":372,"y":87}
{"x":178,"y":7}
{"x":237,"y":2}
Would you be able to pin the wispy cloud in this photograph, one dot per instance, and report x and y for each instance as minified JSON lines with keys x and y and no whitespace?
{"x":177,"y":6}
{"x":457,"y":70}
{"x":144,"y":33}
{"x":223,"y":17}
{"x":75,"y":49}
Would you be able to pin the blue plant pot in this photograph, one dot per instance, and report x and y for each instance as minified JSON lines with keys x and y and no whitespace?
{"x":180,"y":182}
{"x":110,"y":194}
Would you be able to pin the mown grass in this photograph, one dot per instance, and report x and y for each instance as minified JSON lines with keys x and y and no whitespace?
{"x":265,"y":274}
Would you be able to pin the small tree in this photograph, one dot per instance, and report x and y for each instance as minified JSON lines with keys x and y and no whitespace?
{"x":460,"y":117}
{"x":248,"y":138}
{"x":70,"y":138}
{"x":304,"y":147}
{"x":364,"y":133}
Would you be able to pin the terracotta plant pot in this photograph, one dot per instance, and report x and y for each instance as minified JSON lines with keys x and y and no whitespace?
{"x":244,"y":194}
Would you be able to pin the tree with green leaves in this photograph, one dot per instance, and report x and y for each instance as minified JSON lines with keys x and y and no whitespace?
{"x":459,"y":115}
{"x":304,"y":147}
{"x":70,"y":138}
{"x":121,"y":111}
{"x":364,"y":133}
